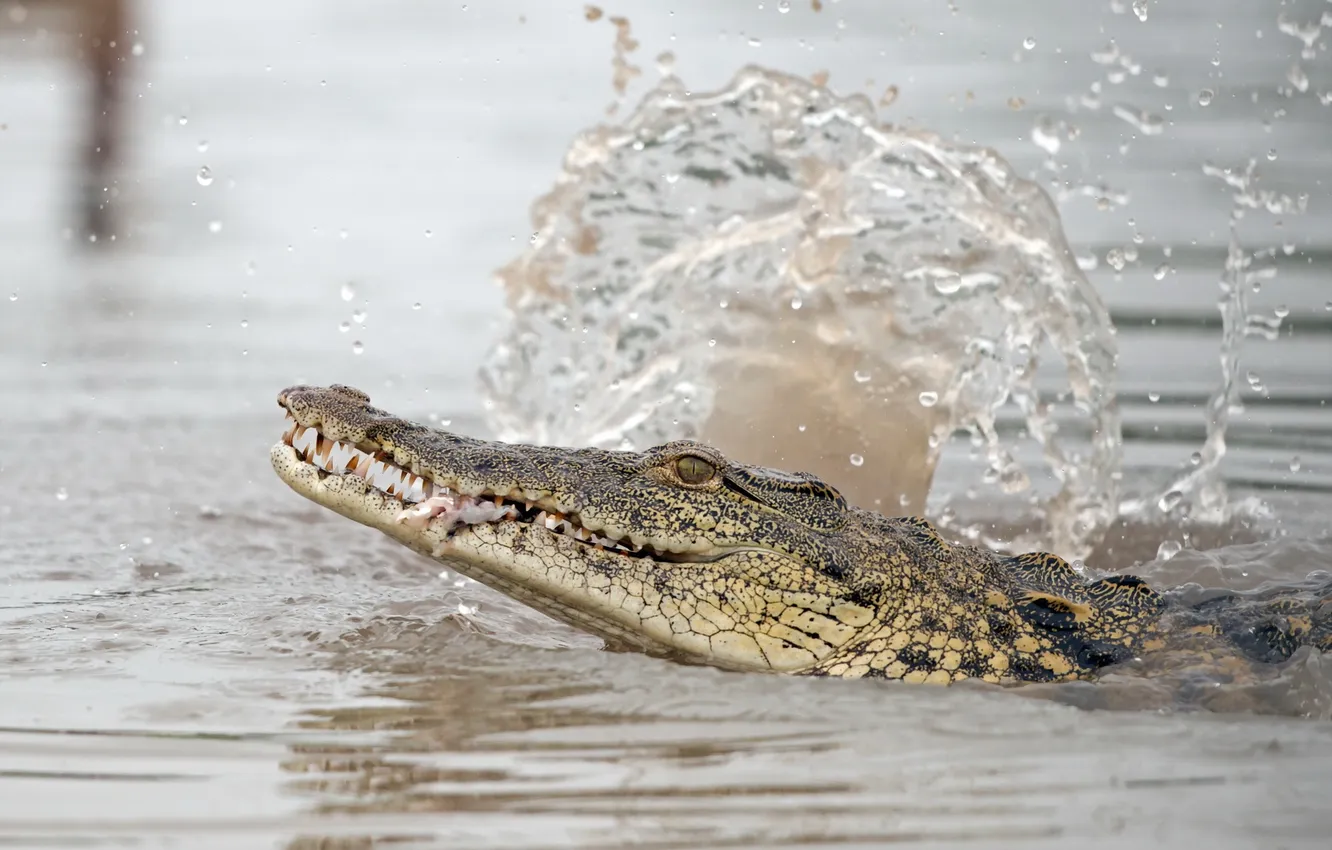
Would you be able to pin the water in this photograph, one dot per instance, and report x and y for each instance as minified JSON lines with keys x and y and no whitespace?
{"x":191,"y":655}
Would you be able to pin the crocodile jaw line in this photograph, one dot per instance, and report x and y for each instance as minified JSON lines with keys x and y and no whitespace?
{"x":550,"y":566}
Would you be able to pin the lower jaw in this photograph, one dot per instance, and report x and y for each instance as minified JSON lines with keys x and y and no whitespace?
{"x":354,"y":498}
{"x":357,"y":500}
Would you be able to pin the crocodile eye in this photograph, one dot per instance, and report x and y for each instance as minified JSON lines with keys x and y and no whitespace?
{"x":694,"y":470}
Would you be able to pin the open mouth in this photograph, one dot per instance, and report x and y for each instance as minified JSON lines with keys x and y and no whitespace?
{"x":428,"y":503}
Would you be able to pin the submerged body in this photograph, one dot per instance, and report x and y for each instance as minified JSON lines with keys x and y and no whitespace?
{"x":679,"y":552}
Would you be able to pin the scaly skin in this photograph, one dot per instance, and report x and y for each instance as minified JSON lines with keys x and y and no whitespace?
{"x":748,"y":568}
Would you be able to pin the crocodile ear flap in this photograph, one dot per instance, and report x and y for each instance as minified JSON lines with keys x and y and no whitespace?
{"x":1054,"y":612}
{"x":800,"y":495}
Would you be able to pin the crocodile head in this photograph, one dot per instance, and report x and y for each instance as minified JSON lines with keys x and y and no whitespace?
{"x":675,"y":551}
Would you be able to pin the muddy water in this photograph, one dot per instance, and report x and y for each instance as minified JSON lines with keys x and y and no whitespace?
{"x":191,"y":655}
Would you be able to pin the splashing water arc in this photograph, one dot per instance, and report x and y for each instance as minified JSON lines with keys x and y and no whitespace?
{"x":770,"y":269}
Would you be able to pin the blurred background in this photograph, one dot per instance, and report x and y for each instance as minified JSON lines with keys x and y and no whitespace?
{"x":202,"y":203}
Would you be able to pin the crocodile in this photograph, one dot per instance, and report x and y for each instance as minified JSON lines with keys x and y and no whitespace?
{"x":681,"y":553}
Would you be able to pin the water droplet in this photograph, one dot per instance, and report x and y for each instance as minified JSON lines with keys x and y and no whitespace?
{"x":137,"y":49}
{"x":13,"y":296}
{"x":183,"y":120}
{"x":1153,"y":397}
{"x":245,"y":323}
{"x":857,"y":460}
{"x":1195,"y":458}
{"x":1147,"y":123}
{"x":1168,"y":549}
{"x":1298,"y":78}
{"x":203,"y":146}
{"x":1161,"y":271}
{"x":861,"y":377}
{"x":62,"y":494}
{"x":1029,"y":43}
{"x":1140,"y":9}
{"x":357,"y":347}
{"x":358,"y":316}
{"x":1295,"y":464}
{"x":800,"y":428}
{"x":1045,"y":135}
{"x":712,"y":343}
{"x":796,"y":303}
{"x":214,"y":227}
{"x":1170,"y":501}
{"x":348,"y":292}
{"x":754,"y":42}
{"x":416,"y":306}
{"x":1161,"y":79}
{"x":429,"y":234}
{"x":948,"y":284}
{"x":929,"y":398}
{"x":205,"y":176}
{"x":344,"y":327}
{"x":1205,"y":97}
{"x":1115,"y":257}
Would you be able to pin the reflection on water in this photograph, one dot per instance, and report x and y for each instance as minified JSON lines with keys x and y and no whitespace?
{"x":616,"y":751}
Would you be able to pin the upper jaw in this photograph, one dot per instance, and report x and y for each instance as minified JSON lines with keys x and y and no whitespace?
{"x":338,"y":445}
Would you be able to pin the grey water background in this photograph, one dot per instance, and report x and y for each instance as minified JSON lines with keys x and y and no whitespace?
{"x":189,"y":654}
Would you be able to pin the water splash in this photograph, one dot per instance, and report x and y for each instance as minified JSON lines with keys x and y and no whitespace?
{"x":724,"y":265}
{"x":1199,"y":491}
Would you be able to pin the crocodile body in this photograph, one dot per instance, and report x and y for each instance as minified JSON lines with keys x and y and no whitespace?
{"x":680,"y":552}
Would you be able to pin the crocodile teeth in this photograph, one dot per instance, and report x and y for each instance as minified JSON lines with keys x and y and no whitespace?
{"x":339,"y":456}
{"x":608,"y":543}
{"x":559,"y":525}
{"x":415,"y":491}
{"x":304,"y":439}
{"x":424,"y":500}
